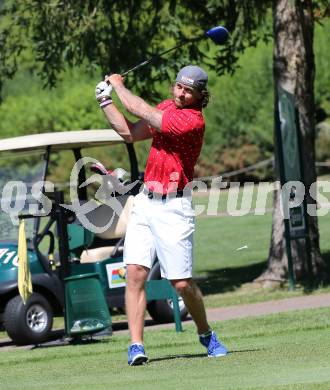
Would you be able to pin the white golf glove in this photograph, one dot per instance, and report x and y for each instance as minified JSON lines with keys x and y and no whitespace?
{"x":103,"y":93}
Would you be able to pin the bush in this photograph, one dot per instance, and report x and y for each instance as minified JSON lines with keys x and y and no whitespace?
{"x":71,"y":106}
{"x":239,"y":117}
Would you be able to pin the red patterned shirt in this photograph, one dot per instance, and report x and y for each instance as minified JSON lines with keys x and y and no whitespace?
{"x":174,"y":150}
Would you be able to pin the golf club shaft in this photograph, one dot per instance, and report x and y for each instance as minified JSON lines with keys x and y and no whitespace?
{"x":146,"y":62}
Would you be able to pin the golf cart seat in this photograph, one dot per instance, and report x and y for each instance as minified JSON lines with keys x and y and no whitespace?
{"x":116,"y":231}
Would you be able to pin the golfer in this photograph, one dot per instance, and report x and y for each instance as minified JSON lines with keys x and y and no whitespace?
{"x":162,"y":219}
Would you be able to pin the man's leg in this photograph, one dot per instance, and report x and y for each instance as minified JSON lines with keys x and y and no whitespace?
{"x":135,"y":296}
{"x":139,"y":254}
{"x":193,"y":300}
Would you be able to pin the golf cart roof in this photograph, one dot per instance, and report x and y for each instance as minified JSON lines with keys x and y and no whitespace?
{"x":61,"y":140}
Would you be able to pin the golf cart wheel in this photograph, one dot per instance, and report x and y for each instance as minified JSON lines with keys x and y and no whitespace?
{"x":162,"y":311}
{"x":30,"y":323}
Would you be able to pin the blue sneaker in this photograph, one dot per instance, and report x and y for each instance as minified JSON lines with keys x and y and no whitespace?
{"x":213,"y":345}
{"x":136,"y":355}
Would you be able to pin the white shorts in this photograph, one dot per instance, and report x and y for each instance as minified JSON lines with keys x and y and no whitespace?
{"x":164,"y":228}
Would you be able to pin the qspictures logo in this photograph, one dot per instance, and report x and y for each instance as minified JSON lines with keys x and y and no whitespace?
{"x":111,"y":192}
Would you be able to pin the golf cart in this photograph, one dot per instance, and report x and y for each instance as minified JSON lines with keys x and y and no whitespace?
{"x":74,"y":227}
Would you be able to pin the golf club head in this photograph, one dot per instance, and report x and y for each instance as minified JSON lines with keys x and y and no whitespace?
{"x":218,"y":34}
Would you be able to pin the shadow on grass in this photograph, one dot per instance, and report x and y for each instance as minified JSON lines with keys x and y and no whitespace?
{"x":326,"y":258}
{"x":58,"y":338}
{"x":182,"y":356}
{"x":229,"y":279}
{"x":223,"y":280}
{"x":311,"y":283}
{"x":197,"y":355}
{"x":64,"y":341}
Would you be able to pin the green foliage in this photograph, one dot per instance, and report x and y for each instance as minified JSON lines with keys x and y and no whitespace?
{"x":323,"y":144}
{"x":240,"y":100}
{"x":116,"y":35}
{"x":240,"y":115}
{"x":322,"y":61}
{"x":71,"y":106}
{"x":322,"y":90}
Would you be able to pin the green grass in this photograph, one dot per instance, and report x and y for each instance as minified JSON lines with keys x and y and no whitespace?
{"x":224,"y":242}
{"x":251,"y":293}
{"x":246,"y":197}
{"x":232,"y":251}
{"x":282,"y":351}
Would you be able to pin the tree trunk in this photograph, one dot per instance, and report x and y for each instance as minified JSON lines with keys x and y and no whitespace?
{"x":294,"y":70}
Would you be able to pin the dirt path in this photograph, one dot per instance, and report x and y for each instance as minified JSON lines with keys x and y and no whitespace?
{"x":270,"y":307}
{"x":251,"y":310}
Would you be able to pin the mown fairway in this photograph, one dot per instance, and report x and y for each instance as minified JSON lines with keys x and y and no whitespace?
{"x":286,"y":351}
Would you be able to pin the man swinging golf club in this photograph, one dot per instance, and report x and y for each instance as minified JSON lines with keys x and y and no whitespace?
{"x":162,"y":220}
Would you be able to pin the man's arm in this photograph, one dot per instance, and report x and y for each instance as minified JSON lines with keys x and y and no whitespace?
{"x":135,"y":105}
{"x":130,"y":131}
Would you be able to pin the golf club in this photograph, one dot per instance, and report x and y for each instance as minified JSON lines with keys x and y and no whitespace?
{"x":218,"y":35}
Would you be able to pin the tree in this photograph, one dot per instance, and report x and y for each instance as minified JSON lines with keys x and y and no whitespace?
{"x":115,"y":35}
{"x":294,"y":70}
